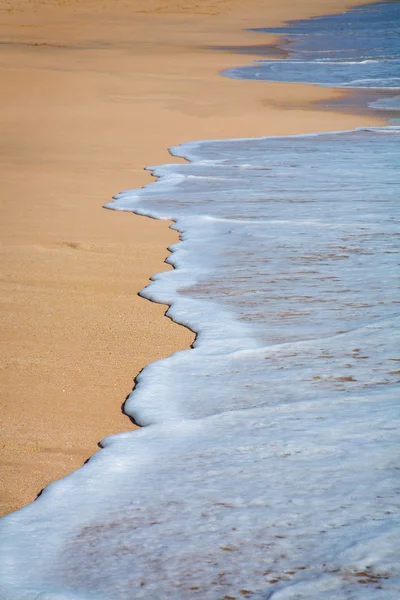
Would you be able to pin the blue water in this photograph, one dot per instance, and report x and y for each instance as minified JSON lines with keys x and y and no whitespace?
{"x":267,"y":465}
{"x":357,"y":49}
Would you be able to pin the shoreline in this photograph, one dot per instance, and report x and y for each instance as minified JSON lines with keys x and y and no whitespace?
{"x":76,"y":130}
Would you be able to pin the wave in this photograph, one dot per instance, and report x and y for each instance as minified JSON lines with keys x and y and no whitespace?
{"x":267,"y":465}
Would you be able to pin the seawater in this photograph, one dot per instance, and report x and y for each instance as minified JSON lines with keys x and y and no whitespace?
{"x":267,"y":467}
{"x":356,"y":49}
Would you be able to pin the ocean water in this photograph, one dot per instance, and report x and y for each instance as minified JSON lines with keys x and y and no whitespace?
{"x":267,"y":466}
{"x":356,"y":49}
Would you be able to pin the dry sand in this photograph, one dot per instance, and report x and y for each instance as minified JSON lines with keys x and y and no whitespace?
{"x":93,"y":91}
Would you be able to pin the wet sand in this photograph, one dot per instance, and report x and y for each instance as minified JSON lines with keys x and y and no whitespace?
{"x":92,"y":92}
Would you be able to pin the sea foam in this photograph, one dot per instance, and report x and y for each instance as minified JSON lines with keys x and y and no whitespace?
{"x":267,"y":468}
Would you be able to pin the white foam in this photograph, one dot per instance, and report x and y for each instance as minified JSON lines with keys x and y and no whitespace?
{"x":268,"y":465}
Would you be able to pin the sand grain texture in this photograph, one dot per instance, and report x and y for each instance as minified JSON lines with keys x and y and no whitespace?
{"x":93,"y":91}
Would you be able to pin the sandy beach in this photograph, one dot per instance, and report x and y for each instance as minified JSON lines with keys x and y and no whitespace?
{"x":92,"y":92}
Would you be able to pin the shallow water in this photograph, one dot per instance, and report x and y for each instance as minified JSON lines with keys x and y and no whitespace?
{"x":356,"y":49}
{"x":267,"y":469}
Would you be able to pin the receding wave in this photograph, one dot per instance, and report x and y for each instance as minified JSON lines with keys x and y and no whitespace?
{"x":268,"y":465}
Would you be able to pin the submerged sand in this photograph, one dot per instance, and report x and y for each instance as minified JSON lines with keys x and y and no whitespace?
{"x":92,"y":92}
